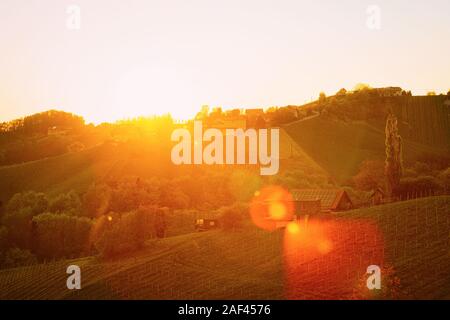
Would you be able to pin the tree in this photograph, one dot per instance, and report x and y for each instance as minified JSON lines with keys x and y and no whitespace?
{"x":69,"y":203}
{"x":159,"y":223}
{"x":361,"y":86}
{"x":322,"y":98}
{"x":36,"y":202}
{"x":61,"y":235}
{"x":16,"y":257}
{"x":394,"y":162}
{"x":231,"y":217}
{"x":341,"y":92}
{"x":370,"y":175}
{"x":96,"y":200}
{"x":20,"y":210}
{"x":120,"y":233}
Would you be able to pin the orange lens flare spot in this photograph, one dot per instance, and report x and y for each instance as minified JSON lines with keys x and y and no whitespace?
{"x":293,"y":228}
{"x":270,"y":206}
{"x":277,"y":211}
{"x":324,"y":246}
{"x":329,"y":257}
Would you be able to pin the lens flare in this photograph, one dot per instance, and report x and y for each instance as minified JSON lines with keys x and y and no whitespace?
{"x":324,"y":246}
{"x":277,"y":211}
{"x":271,"y":207}
{"x":293,"y":228}
{"x":326,"y":259}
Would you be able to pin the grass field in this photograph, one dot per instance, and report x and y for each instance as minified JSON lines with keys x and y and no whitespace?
{"x":340,"y":147}
{"x":56,"y":174}
{"x":251,"y":264}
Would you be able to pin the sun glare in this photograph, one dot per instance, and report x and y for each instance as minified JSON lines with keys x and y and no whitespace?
{"x":293,"y":228}
{"x":271,"y":205}
{"x":154,"y":90}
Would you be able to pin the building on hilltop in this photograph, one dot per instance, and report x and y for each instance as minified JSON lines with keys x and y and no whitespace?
{"x":310,"y":201}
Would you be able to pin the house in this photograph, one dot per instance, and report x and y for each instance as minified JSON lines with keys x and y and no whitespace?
{"x":308,"y":201}
{"x":206,"y":224}
{"x":308,"y":207}
{"x":377,"y":196}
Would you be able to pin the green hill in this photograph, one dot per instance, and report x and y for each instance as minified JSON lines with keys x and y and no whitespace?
{"x":340,"y":147}
{"x":248,"y":264}
{"x":424,"y":119}
{"x":57,"y":174}
{"x":78,"y":170}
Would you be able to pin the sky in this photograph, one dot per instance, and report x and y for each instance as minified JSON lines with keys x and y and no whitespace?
{"x":144,"y":57}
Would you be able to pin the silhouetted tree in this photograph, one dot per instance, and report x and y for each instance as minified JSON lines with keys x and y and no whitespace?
{"x":341,"y":92}
{"x":370,"y":175}
{"x":322,"y":98}
{"x":393,"y":165}
{"x":61,"y":235}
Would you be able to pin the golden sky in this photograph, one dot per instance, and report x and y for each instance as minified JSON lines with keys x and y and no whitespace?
{"x":141,"y":57}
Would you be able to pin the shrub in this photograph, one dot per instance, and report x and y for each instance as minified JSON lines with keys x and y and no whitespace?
{"x":20,"y":228}
{"x":68,"y":203}
{"x":61,"y":235}
{"x":181,"y":221}
{"x":121,"y":233}
{"x":130,"y":193}
{"x":96,"y":200}
{"x":370,"y":175}
{"x":20,"y":209}
{"x":16,"y":257}
{"x":413,"y":187}
{"x":232,"y":217}
{"x":36,"y":202}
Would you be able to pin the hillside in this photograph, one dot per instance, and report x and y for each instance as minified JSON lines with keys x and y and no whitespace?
{"x":248,"y":264}
{"x":424,"y":119}
{"x":78,"y":170}
{"x":340,"y":147}
{"x":57,"y":174}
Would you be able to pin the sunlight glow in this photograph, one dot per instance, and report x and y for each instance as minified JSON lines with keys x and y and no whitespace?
{"x":270,"y":205}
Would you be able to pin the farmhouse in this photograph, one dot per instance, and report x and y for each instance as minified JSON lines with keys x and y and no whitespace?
{"x":206,"y":224}
{"x":312,"y":201}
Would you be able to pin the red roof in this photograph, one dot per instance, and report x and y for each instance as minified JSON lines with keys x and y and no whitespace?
{"x":329,"y":198}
